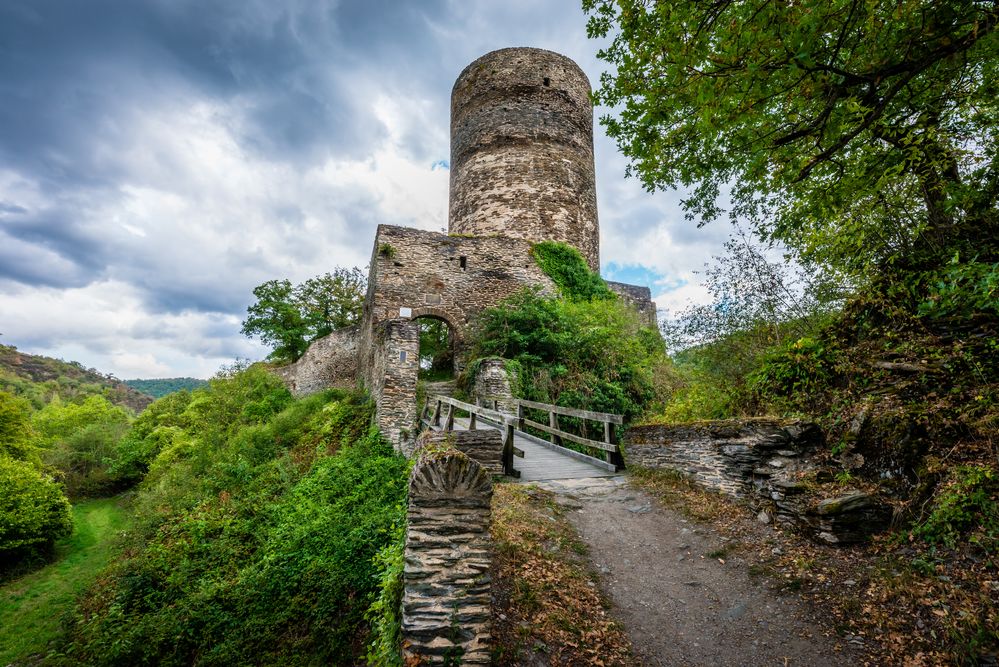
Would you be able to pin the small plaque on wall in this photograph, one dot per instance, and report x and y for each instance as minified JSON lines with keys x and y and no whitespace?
{"x":405,"y":312}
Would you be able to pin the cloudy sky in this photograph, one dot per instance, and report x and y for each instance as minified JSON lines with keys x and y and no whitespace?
{"x":160,"y":158}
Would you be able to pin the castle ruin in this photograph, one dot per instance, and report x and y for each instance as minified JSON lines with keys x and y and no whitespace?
{"x":522,"y":172}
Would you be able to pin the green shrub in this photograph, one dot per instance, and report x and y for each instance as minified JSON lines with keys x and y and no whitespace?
{"x":967,"y":504}
{"x":799,"y":370}
{"x":594,"y":354}
{"x":256,"y":532}
{"x":384,"y":613}
{"x":569,"y":271}
{"x":16,"y":432}
{"x":34,"y":512}
{"x":961,"y":289}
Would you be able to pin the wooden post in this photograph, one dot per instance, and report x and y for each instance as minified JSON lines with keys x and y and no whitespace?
{"x":508,"y":451}
{"x":449,"y":422}
{"x":471,"y":421}
{"x":584,"y":428}
{"x":553,"y":422}
{"x":437,"y":414}
{"x":610,"y":437}
{"x":520,"y":416}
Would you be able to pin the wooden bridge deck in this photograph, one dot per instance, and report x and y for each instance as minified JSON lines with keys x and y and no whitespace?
{"x":541,"y":463}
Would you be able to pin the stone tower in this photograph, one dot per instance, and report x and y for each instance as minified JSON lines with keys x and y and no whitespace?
{"x":522,"y":151}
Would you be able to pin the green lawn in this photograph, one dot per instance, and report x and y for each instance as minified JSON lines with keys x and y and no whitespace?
{"x":32,"y":606}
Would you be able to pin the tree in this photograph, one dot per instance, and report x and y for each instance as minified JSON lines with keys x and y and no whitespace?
{"x":861,"y":134}
{"x":288,"y":317}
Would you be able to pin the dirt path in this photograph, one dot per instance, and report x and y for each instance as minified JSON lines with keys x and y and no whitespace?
{"x":681,"y":596}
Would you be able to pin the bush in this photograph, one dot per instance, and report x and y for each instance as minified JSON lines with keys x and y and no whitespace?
{"x":16,"y":433}
{"x":968,"y":504}
{"x":799,"y":371}
{"x":593,"y":355}
{"x":256,"y":530}
{"x":34,"y":511}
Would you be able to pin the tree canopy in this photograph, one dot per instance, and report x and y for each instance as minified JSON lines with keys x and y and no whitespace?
{"x":860,"y":134}
{"x":288,"y":317}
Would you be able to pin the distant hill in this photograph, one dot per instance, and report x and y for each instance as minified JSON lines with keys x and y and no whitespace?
{"x":160,"y":387}
{"x":39,"y":378}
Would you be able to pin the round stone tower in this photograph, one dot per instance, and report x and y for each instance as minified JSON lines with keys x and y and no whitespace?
{"x":522,"y":151}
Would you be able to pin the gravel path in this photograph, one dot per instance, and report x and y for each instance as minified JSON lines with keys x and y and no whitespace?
{"x":680,"y":604}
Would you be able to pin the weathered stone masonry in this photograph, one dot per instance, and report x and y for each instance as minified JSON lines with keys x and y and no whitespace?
{"x":446,"y":581}
{"x":766,"y":461}
{"x":522,"y":151}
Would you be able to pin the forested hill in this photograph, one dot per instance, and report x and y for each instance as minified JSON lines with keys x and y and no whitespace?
{"x":159,"y":387}
{"x":39,"y":378}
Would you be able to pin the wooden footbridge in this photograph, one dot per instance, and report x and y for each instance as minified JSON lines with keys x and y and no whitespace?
{"x":527,"y":455}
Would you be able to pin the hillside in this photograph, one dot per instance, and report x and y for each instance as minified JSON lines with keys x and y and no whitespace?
{"x":38,"y":378}
{"x":160,"y":387}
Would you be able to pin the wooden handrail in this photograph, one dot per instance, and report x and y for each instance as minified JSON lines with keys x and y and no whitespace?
{"x":606,"y":446}
{"x":572,"y":412}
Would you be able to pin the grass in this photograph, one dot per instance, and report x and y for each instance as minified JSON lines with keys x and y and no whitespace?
{"x":32,"y":606}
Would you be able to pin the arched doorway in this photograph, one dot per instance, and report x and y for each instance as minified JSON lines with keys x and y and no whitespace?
{"x":437,"y":349}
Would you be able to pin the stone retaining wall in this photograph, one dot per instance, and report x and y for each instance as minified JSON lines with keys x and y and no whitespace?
{"x":447,"y":586}
{"x":330,"y":362}
{"x":771,"y":464}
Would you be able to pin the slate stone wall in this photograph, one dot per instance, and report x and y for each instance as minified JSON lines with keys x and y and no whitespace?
{"x":522,"y":151}
{"x":446,"y":581}
{"x":767,"y":462}
{"x":391,"y":358}
{"x":330,"y":362}
{"x":484,"y":446}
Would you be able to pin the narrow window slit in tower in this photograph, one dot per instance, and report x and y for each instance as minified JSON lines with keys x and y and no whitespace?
{"x":462,"y":262}
{"x":548,"y":81}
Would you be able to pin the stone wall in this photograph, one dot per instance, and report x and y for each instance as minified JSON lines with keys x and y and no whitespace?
{"x":446,"y":581}
{"x":769,"y":463}
{"x":492,"y":382}
{"x":522,"y":151}
{"x":391,"y":358}
{"x":484,"y":446}
{"x":639,"y":298}
{"x":330,"y":362}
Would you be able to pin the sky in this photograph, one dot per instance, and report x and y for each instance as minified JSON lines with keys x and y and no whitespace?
{"x":161,"y":158}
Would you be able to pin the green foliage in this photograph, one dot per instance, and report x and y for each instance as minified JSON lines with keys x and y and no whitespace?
{"x":966,"y":505}
{"x":436,"y":349}
{"x":80,"y":441}
{"x":256,"y":531}
{"x":799,"y":369}
{"x":34,"y":511}
{"x":962,"y":290}
{"x":288,"y":317}
{"x":386,"y":250}
{"x":160,"y":387}
{"x":159,"y":427}
{"x":569,"y":271}
{"x":586,"y":354}
{"x":861,"y":134}
{"x":384,"y":614}
{"x":16,"y":432}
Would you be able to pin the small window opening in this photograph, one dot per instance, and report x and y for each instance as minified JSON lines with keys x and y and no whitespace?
{"x":547,"y":81}
{"x":402,"y":356}
{"x":462,"y":262}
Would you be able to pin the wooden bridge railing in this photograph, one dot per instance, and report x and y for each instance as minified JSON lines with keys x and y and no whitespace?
{"x":608,"y":444}
{"x":506,"y":422}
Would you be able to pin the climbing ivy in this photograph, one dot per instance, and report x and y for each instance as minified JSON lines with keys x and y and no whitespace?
{"x":568,"y":270}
